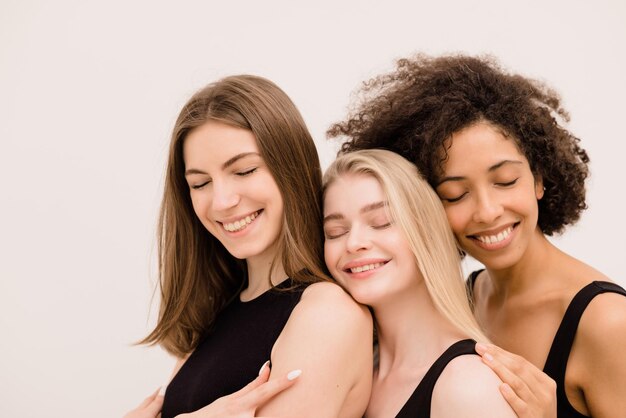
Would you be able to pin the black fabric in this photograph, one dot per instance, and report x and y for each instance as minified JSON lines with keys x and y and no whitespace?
{"x":418,"y":405}
{"x":230,"y":356}
{"x":556,"y":362}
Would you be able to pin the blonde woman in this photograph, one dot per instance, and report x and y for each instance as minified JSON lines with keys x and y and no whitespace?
{"x":388,"y":242}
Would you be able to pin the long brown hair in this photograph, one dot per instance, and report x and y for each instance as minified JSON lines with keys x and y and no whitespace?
{"x":197,"y":275}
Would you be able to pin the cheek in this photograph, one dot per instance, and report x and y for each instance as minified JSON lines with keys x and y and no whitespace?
{"x":457,"y":219}
{"x":330,"y":257}
{"x":199,"y":205}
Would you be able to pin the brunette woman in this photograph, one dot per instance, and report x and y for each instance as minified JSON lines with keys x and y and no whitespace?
{"x":509,"y":174}
{"x":241,"y":269}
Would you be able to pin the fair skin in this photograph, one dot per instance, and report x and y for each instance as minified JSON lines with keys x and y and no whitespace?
{"x":369,"y":255}
{"x":237,"y":200}
{"x":520,"y":299}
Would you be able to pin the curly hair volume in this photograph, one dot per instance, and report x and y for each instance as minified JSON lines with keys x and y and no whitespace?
{"x":415,"y":109}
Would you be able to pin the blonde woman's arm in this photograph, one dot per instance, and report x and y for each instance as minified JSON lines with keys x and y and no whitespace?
{"x":329,"y":337}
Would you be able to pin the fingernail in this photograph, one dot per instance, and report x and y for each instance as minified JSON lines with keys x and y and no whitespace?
{"x":162,"y":391}
{"x":480,"y":347}
{"x":292,"y":375}
{"x":263,"y":367}
{"x":487,"y":357}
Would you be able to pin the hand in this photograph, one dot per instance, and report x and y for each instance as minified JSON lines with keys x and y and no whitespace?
{"x":244,"y":403}
{"x":529,"y":391}
{"x":149,"y":408}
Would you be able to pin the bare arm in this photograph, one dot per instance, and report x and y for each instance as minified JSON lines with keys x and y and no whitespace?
{"x":530,"y":392}
{"x":329,"y":337}
{"x":599,"y":345}
{"x":468,"y":388}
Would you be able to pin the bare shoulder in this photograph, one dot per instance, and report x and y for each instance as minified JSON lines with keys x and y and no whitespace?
{"x":330,"y":301}
{"x":467,"y":387}
{"x":329,"y":338}
{"x":604,"y":320}
{"x":597,"y":363}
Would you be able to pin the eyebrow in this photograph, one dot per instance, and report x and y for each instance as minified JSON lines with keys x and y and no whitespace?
{"x":364,"y":209}
{"x":490,"y":169}
{"x":227,"y":164}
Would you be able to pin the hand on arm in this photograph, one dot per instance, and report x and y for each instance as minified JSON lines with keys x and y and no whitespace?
{"x":241,"y":404}
{"x":245,"y":402}
{"x":529,"y":391}
{"x":468,"y":388}
{"x":329,"y":337}
{"x":149,"y":408}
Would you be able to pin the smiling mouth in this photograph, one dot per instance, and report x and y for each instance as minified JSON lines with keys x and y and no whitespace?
{"x":495,"y":238}
{"x":242,"y":223}
{"x":365,"y":267}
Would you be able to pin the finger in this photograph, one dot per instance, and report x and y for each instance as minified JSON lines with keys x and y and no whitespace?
{"x":520,"y":407}
{"x":268,"y":390}
{"x":522,"y":368}
{"x":154,"y":408}
{"x":511,"y":378}
{"x":149,"y":399}
{"x":264,"y":374}
{"x":517,"y":364}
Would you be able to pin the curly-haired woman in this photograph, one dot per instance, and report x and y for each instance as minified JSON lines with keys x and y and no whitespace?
{"x":493,"y":146}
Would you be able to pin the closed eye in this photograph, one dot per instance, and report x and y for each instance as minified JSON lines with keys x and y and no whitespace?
{"x":382,"y":226}
{"x":510,"y":183}
{"x":246,"y":172}
{"x":453,"y":199}
{"x":200,"y":186}
{"x":334,"y":234}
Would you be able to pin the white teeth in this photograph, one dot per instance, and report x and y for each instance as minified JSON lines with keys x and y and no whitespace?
{"x":365,"y":267}
{"x":492,"y":239}
{"x":240,"y":224}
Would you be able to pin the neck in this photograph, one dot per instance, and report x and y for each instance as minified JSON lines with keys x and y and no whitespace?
{"x":525,"y":275}
{"x":259,"y":271}
{"x":411,"y":332}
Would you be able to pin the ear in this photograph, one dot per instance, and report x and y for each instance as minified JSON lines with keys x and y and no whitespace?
{"x":539,"y":189}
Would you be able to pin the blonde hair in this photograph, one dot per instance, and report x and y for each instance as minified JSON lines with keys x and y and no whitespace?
{"x":416,"y":209}
{"x":197,"y":274}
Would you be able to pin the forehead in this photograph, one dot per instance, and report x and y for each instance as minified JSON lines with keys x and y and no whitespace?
{"x":479,"y":147}
{"x":215,"y":142}
{"x":351,"y":192}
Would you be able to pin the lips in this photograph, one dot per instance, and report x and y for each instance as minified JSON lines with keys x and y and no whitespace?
{"x":241,"y":223}
{"x":360,"y":266}
{"x":495,"y":238}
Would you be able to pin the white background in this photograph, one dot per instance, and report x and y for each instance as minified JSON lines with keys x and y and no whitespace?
{"x":89,"y":92}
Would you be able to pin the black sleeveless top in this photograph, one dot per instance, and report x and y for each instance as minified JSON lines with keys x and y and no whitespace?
{"x":556,"y":363}
{"x":231,"y":354}
{"x":418,"y":405}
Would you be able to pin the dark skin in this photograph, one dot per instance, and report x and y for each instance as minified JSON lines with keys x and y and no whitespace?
{"x":521,"y":297}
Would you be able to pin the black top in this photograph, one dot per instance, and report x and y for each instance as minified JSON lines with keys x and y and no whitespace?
{"x":231,"y":354}
{"x":418,"y":405}
{"x":556,"y":363}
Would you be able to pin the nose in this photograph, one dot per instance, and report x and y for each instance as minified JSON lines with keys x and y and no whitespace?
{"x":358,"y":239}
{"x":488,"y":208}
{"x":225,"y":196}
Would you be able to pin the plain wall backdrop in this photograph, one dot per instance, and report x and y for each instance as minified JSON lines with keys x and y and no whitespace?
{"x":89,"y":91}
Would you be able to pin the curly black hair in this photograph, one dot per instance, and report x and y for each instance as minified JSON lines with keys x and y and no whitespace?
{"x":415,"y":109}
